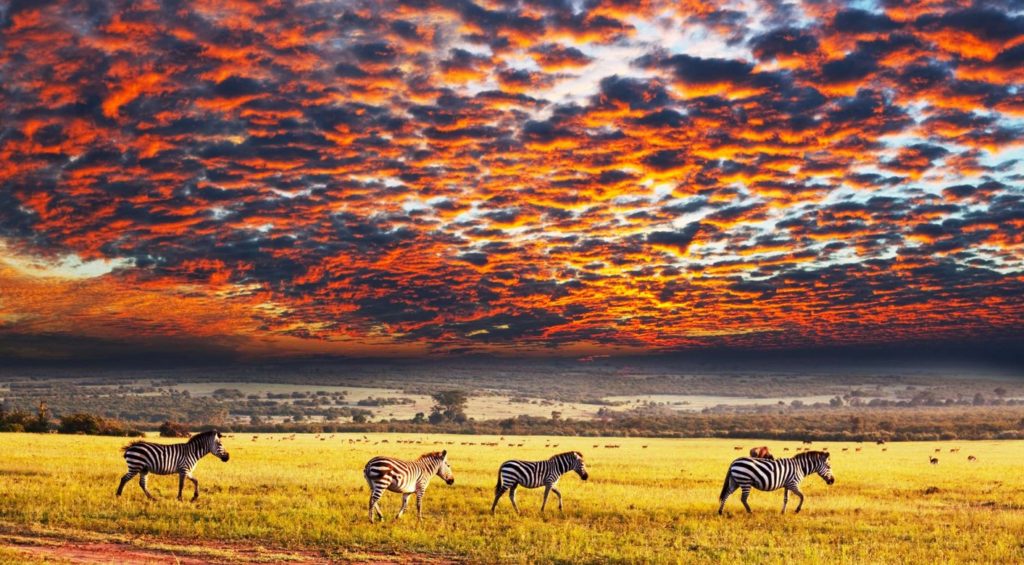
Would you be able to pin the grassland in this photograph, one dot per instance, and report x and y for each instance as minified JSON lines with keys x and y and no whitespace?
{"x":654,"y":504}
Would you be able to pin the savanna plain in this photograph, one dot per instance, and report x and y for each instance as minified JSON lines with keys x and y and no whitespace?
{"x":647,"y":500}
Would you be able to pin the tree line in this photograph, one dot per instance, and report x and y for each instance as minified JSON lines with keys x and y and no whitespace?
{"x":448,"y":415}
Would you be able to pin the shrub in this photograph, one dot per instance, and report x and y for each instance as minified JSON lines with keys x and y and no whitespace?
{"x":174,"y":429}
{"x":90,"y":424}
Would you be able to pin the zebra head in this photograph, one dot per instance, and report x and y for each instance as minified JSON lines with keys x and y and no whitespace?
{"x":824,"y":469}
{"x":444,"y":470}
{"x":579,"y":466}
{"x":210,"y":442}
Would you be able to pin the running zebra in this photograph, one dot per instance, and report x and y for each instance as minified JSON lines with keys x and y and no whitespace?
{"x":534,"y":474}
{"x":406,"y":477}
{"x":144,"y":457}
{"x":772,"y":474}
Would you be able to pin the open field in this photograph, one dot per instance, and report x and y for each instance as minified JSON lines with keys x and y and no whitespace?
{"x":304,"y":498}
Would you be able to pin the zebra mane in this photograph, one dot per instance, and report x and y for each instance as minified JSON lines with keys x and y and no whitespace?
{"x":813,"y":455}
{"x":203,"y":436}
{"x":568,"y":453}
{"x":433,"y":455}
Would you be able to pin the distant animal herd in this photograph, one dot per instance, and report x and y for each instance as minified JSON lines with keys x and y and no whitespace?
{"x":761,"y":470}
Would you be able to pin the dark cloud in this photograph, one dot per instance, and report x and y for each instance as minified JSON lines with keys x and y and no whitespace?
{"x":862,"y":21}
{"x":786,"y":41}
{"x":637,"y":94}
{"x":486,"y":177}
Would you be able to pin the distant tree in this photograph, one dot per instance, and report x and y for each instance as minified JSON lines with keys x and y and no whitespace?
{"x":979,"y":399}
{"x":361,"y":416}
{"x":80,"y":423}
{"x":449,"y":406}
{"x":227,"y":393}
{"x":173,"y":429}
{"x":556,"y":415}
{"x":419,"y":418}
{"x":1000,"y":392}
{"x":41,"y":423}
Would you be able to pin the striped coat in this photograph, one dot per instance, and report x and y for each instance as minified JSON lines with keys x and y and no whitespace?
{"x":405,"y":477}
{"x":533,"y":474}
{"x":144,"y":457}
{"x":771,"y":474}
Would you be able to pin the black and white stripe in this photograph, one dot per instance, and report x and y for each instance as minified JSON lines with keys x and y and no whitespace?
{"x":405,"y":477}
{"x":767,"y":474}
{"x":144,"y":457}
{"x":534,"y":474}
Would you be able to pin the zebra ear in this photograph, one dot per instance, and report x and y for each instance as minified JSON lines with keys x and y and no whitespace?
{"x":444,"y":454}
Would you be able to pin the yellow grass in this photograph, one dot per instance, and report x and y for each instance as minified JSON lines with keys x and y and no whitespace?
{"x":654,"y":504}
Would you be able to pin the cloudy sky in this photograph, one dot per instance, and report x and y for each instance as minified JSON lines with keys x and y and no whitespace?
{"x":519,"y":178}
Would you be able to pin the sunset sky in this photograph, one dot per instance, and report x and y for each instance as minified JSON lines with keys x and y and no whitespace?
{"x":277,"y":179}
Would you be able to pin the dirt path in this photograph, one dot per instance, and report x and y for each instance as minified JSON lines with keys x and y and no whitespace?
{"x":69,"y":548}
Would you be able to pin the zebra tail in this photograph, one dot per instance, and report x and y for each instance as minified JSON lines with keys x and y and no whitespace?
{"x":125,"y":448}
{"x":725,"y":487}
{"x":497,"y":487}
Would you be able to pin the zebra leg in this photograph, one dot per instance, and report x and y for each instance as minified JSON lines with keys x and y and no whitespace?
{"x":405,"y":502}
{"x":547,"y":490}
{"x":744,"y":496}
{"x":727,"y":490}
{"x":181,"y":483}
{"x":124,"y":480}
{"x":796,"y":491}
{"x":512,"y":497}
{"x":143,"y":478}
{"x":498,"y":491}
{"x":375,"y":494}
{"x":554,"y":489}
{"x":785,"y":498}
{"x":419,"y":503}
{"x":195,"y":482}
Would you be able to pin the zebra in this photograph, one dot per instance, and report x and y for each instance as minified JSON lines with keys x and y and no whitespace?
{"x":144,"y":457}
{"x":533,"y":474}
{"x":405,"y":477}
{"x":768,"y":474}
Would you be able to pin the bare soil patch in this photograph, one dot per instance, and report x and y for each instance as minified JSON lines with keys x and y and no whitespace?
{"x":51,"y":547}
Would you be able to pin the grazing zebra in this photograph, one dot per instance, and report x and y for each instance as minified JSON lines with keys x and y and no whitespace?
{"x":406,"y":477}
{"x":533,"y":474}
{"x":772,"y":474}
{"x":144,"y":458}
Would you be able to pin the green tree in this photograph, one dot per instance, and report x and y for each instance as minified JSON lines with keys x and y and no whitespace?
{"x":449,"y":406}
{"x":81,"y":423}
